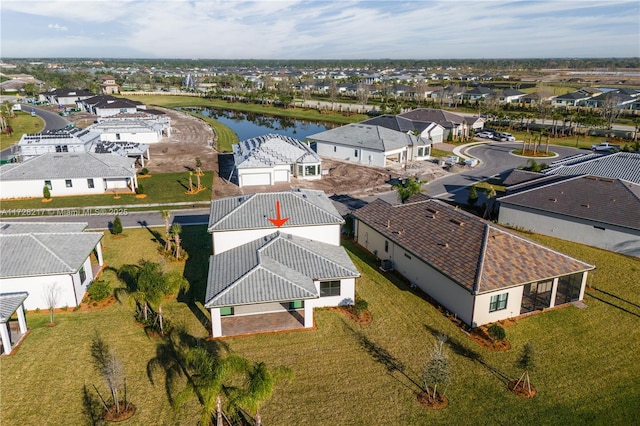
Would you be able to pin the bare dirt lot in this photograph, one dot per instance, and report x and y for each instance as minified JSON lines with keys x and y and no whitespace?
{"x":191,"y":138}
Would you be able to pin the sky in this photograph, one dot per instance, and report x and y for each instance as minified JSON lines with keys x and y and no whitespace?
{"x":306,"y":29}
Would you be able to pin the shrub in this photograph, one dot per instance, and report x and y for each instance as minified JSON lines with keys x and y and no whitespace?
{"x":46,"y":192}
{"x":144,"y":171}
{"x":99,"y":290}
{"x":116,"y":229}
{"x":496,"y":332}
{"x":472,"y":199}
{"x":360,"y":306}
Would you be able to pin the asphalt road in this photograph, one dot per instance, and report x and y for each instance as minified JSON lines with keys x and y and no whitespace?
{"x":101,"y":219}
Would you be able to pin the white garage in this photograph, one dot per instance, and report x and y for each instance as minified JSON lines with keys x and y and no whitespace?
{"x":249,"y":179}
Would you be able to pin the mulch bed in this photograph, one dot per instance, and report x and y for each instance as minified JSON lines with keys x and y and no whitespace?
{"x":88,"y":305}
{"x":522,"y":390}
{"x":438,"y":403}
{"x":364,"y":319}
{"x":126,"y":413}
{"x":481,"y":337}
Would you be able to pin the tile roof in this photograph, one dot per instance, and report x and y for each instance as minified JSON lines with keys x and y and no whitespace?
{"x":446,"y":119}
{"x":621,"y":165}
{"x":270,"y":150}
{"x":303,"y":207}
{"x":7,"y":228}
{"x":9,"y":303}
{"x":279,"y":267}
{"x":46,"y":252}
{"x":604,"y":200}
{"x":69,"y":166}
{"x":358,"y":135}
{"x":476,"y":254}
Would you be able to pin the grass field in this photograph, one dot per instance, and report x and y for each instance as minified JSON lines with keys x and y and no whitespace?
{"x":159,"y":188}
{"x":348,"y":374}
{"x":22,"y":123}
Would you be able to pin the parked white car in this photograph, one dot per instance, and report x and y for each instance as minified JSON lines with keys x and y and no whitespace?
{"x":508,"y":137}
{"x":484,"y":135}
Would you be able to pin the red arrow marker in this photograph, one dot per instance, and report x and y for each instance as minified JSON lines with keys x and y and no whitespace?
{"x":278,"y":221}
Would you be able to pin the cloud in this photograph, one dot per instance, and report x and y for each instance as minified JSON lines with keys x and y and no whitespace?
{"x":349,"y":29}
{"x":57,"y":27}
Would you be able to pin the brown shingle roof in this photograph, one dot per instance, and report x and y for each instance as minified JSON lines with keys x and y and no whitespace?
{"x":473,"y":252}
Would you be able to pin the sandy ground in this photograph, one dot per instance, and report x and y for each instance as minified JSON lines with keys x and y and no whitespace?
{"x":191,"y":138}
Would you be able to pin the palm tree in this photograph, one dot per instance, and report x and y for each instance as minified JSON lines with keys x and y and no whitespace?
{"x":166,"y":215}
{"x":259,"y":387}
{"x":176,"y":229}
{"x":208,"y":380}
{"x":407,"y":187}
{"x":171,"y":284}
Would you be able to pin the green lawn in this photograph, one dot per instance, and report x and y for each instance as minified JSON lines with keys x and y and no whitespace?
{"x":22,"y":123}
{"x":353,"y":374}
{"x":159,"y":188}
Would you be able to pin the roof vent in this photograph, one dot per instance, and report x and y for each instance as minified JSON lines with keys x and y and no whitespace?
{"x":456,"y":221}
{"x":553,"y":199}
{"x":434,"y":211}
{"x":388,"y":223}
{"x":585,"y":205}
{"x":443,"y":244}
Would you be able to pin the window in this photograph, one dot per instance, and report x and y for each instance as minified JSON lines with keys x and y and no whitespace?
{"x":310,"y":170}
{"x":498,"y":302}
{"x":83,"y":274}
{"x":329,"y":288}
{"x":355,"y":153}
{"x":421,"y":152}
{"x":47,"y":183}
{"x":62,"y":148}
{"x":300,"y":170}
{"x":296,"y":304}
{"x":90,"y":183}
{"x":335,"y":148}
{"x":226,"y":311}
{"x":117,"y":136}
{"x":68,"y":183}
{"x":386,"y":246}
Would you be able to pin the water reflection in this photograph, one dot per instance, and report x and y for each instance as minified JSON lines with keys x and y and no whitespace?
{"x":249,"y":125}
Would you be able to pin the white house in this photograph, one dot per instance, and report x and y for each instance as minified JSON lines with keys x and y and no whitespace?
{"x":66,"y":97}
{"x":96,"y":139}
{"x":427,"y":132}
{"x":478,"y":271}
{"x":268,"y":159}
{"x":276,"y":257}
{"x":44,"y":259}
{"x":107,"y":105}
{"x":366,"y":144}
{"x":453,"y":124}
{"x":68,"y":174}
{"x":596,"y":211}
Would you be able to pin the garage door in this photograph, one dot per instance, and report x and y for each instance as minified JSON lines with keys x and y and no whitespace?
{"x":282,"y":175}
{"x":255,"y":179}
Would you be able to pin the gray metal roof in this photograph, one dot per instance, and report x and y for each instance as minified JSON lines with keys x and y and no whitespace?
{"x":604,"y":200}
{"x":270,"y":150}
{"x":358,"y":135}
{"x":277,"y":268}
{"x":9,"y":303}
{"x":45,"y":253}
{"x":621,"y":165}
{"x":69,"y":166}
{"x":303,"y":207}
{"x":7,"y":228}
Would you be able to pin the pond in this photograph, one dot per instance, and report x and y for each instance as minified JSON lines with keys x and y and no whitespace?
{"x":249,"y":125}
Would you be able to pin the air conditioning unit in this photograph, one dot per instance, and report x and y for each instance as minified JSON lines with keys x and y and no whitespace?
{"x":386,"y":265}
